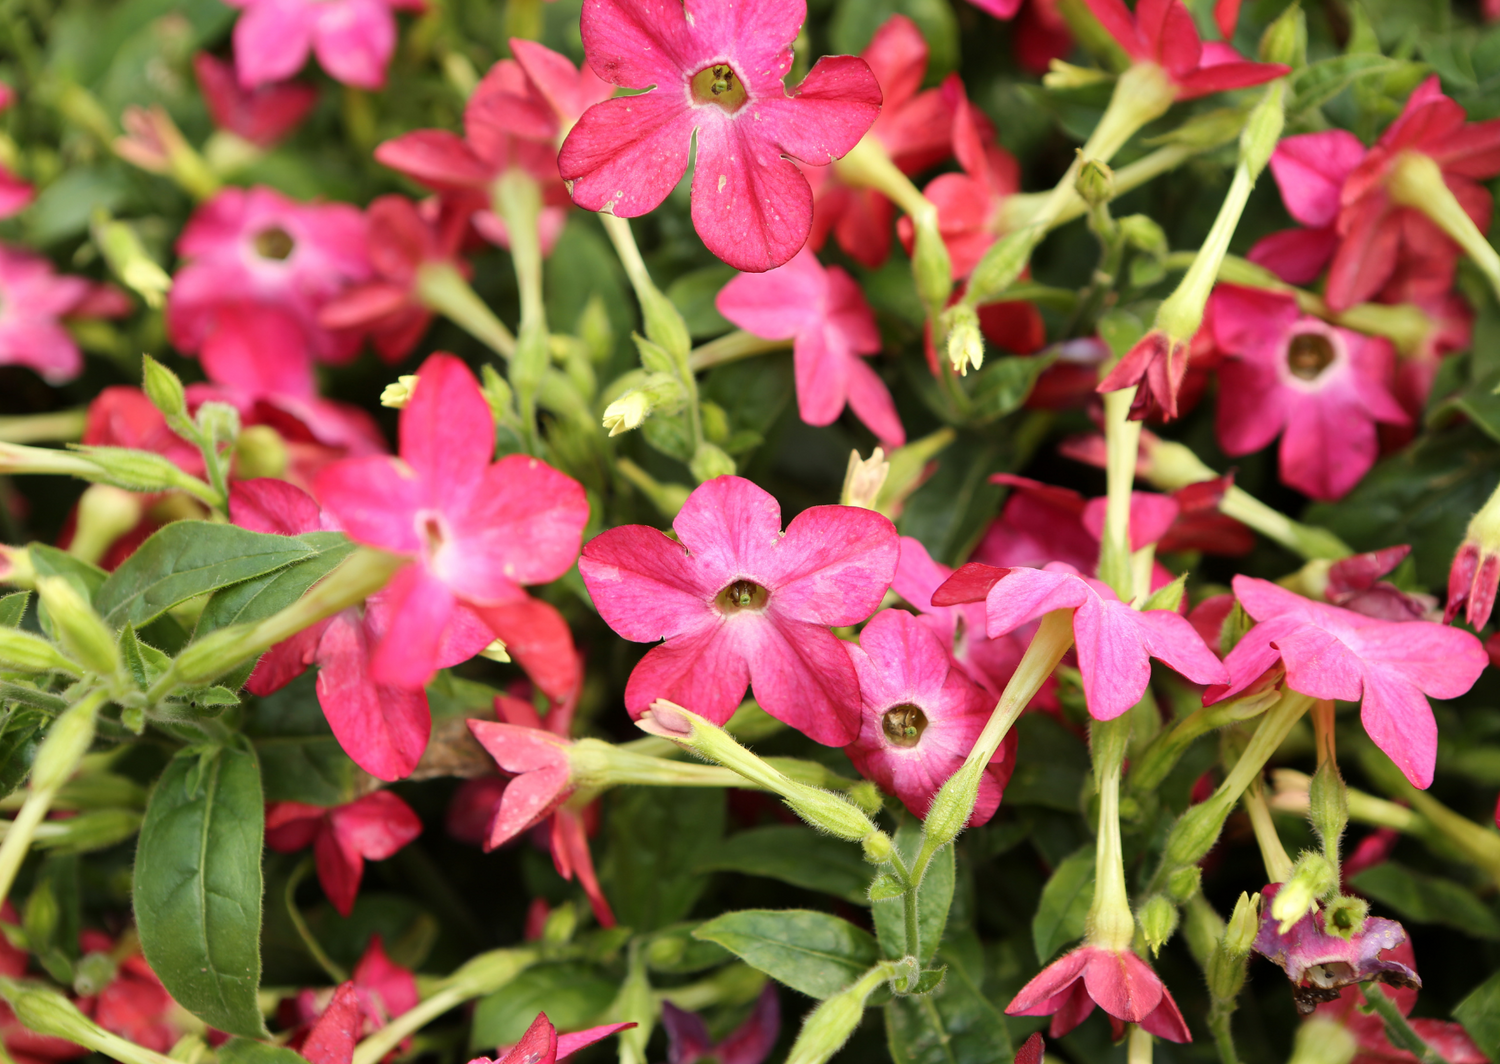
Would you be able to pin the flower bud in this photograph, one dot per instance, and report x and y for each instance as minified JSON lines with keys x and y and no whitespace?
{"x":127,"y":257}
{"x":1285,"y":40}
{"x":398,"y":393}
{"x":952,"y":805}
{"x":627,"y":412}
{"x":864,"y":478}
{"x":23,"y":652}
{"x":1328,"y":807}
{"x":93,"y":973}
{"x":866,"y":796}
{"x":1194,"y":834}
{"x":260,"y":452}
{"x":79,"y":628}
{"x":1061,"y":75}
{"x":1095,"y":183}
{"x":829,"y":1026}
{"x":1244,"y":924}
{"x":1001,"y":265}
{"x":86,"y":832}
{"x":709,"y":462}
{"x":497,"y":393}
{"x":68,"y":739}
{"x":48,"y":1012}
{"x":1142,"y":233}
{"x":164,"y":389}
{"x":931,"y":267}
{"x":965,"y":341}
{"x":1321,"y":1041}
{"x":1158,"y":921}
{"x":1184,"y":883}
{"x":1312,"y":878}
{"x":137,"y":470}
{"x":877,"y":847}
{"x":105,"y":513}
{"x":219,"y":423}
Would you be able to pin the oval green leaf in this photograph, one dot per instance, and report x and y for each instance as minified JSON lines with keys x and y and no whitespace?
{"x":813,"y":952}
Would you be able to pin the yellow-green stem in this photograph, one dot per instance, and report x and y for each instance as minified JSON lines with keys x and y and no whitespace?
{"x":1110,"y":923}
{"x":1122,"y":441}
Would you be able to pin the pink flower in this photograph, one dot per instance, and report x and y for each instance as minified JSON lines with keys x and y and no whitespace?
{"x":378,"y":990}
{"x":536,"y":752}
{"x":133,"y":1004}
{"x":825,"y":313}
{"x":1041,"y":35}
{"x":1119,"y":982}
{"x":262,"y":115}
{"x":33,"y":302}
{"x":715,"y":77}
{"x":353,"y":39}
{"x":1320,"y":387}
{"x":740,"y":603}
{"x":343,"y":838}
{"x":1472,"y":581}
{"x":541,"y":1044}
{"x":342,"y":1024}
{"x":920,"y":716}
{"x":546,"y":101}
{"x":1354,"y":583}
{"x":477,"y":530}
{"x":1319,"y":964}
{"x":1330,"y":652}
{"x":383,"y":727}
{"x":1162,"y":32}
{"x":1310,"y":170}
{"x":912,"y":130}
{"x":988,"y":662}
{"x":258,"y":268}
{"x":1114,"y":642}
{"x":1448,"y":1040}
{"x":688,"y":1041}
{"x":15,"y":194}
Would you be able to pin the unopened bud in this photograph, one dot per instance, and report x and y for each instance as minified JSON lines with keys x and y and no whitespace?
{"x":127,"y":257}
{"x":1312,"y":878}
{"x":133,"y":470}
{"x":1158,"y":921}
{"x":23,"y":652}
{"x":877,"y":847}
{"x":1096,"y":183}
{"x":710,"y":461}
{"x":86,"y":832}
{"x":1345,"y":916}
{"x":1321,"y":1041}
{"x":1194,"y":834}
{"x":1244,"y":925}
{"x":595,"y":329}
{"x":932,"y":269}
{"x":562,"y":923}
{"x":1328,"y":807}
{"x":104,"y":514}
{"x":1000,"y":267}
{"x":497,"y":393}
{"x":1061,"y":75}
{"x":965,"y":341}
{"x":399,"y":392}
{"x":218,"y":422}
{"x":1142,"y":233}
{"x":864,"y":478}
{"x":164,"y":389}
{"x":1285,"y":40}
{"x":909,"y":468}
{"x":260,"y":452}
{"x":68,"y":739}
{"x":1184,"y":883}
{"x":93,"y":973}
{"x":952,"y":805}
{"x":627,"y":412}
{"x":1263,"y":130}
{"x":866,"y":796}
{"x":79,"y":628}
{"x":47,"y":1012}
{"x":829,"y":1026}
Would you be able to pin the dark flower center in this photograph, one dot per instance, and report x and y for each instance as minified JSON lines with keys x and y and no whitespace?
{"x":1308,"y":355}
{"x":434,"y":535}
{"x":719,"y":85}
{"x":904,"y":724}
{"x":274,"y":243}
{"x":742,"y":595}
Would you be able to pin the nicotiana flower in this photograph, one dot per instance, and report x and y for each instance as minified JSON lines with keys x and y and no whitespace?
{"x":1322,"y":388}
{"x":381,"y":990}
{"x":688,"y":1041}
{"x":258,"y":267}
{"x":1354,"y":583}
{"x":920,"y":716}
{"x":1117,"y":981}
{"x":912,"y":131}
{"x":133,"y":1004}
{"x":343,"y":838}
{"x":740,"y":603}
{"x":476,"y":530}
{"x":714,"y":74}
{"x":1320,"y":964}
{"x":353,"y":39}
{"x":832,"y":327}
{"x":383,"y":727}
{"x":541,"y":1044}
{"x":1114,"y":642}
{"x":15,"y":194}
{"x":262,"y":115}
{"x":34,"y":301}
{"x":1310,"y":170}
{"x":1475,"y":572}
{"x":1328,"y":652}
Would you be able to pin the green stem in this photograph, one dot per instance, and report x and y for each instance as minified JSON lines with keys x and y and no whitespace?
{"x":1122,"y":438}
{"x":1397,"y":1029}
{"x":1416,"y":181}
{"x":59,"y":425}
{"x":1110,"y":923}
{"x":1140,"y":1046}
{"x":1148,"y":771}
{"x":1220,"y":1023}
{"x":517,"y":199}
{"x":337,"y":974}
{"x":731,"y":348}
{"x":443,"y":290}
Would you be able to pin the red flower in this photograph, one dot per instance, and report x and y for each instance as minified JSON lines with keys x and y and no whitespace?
{"x":1162,"y":32}
{"x":688,"y":1041}
{"x":714,"y":73}
{"x":133,"y":1004}
{"x":541,"y":1044}
{"x":261,"y":115}
{"x":343,"y":838}
{"x":1119,"y":982}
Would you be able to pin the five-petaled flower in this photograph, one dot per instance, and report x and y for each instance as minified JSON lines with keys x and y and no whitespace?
{"x":920,"y":716}
{"x":263,"y":115}
{"x":715,"y":73}
{"x":1162,"y":32}
{"x":35,"y":302}
{"x":353,"y":39}
{"x":740,"y":603}
{"x":1391,"y":667}
{"x":1117,"y":981}
{"x":541,"y":1044}
{"x":343,"y":838}
{"x":832,"y":328}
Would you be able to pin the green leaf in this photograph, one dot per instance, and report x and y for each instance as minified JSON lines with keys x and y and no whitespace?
{"x":1317,"y":83}
{"x":650,"y":867}
{"x":189,"y":558}
{"x":20,"y":735}
{"x":49,"y":561}
{"x":1428,"y":899}
{"x":1065,"y":904}
{"x":956,"y":1023}
{"x":694,"y":293}
{"x":812,"y":952}
{"x":243,"y":1051}
{"x":933,"y":900}
{"x":795,"y":855}
{"x":1480,"y":1015}
{"x":198,"y":885}
{"x":13,"y":608}
{"x":1004,"y":383}
{"x":300,"y":760}
{"x":675,"y":950}
{"x":572,"y":996}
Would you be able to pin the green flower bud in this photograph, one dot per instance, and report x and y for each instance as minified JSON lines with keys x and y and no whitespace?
{"x":965,"y":341}
{"x":1244,"y":924}
{"x":1095,"y":184}
{"x":1143,"y":234}
{"x":1328,"y":807}
{"x":23,"y":652}
{"x":93,"y":973}
{"x":627,"y":412}
{"x":1194,"y":834}
{"x":67,"y":741}
{"x":139,"y":471}
{"x":79,"y":629}
{"x":1312,"y":878}
{"x":952,"y":806}
{"x":1285,"y":40}
{"x":1158,"y":921}
{"x":931,"y":267}
{"x":218,"y":422}
{"x":399,"y":392}
{"x":259,"y":452}
{"x":1184,"y":883}
{"x":877,"y":846}
{"x":1000,"y":267}
{"x":1321,"y":1041}
{"x":829,"y":1026}
{"x":164,"y":389}
{"x":709,"y":462}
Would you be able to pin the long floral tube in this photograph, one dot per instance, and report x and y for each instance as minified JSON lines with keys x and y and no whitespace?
{"x":47,"y":1012}
{"x":56,"y":425}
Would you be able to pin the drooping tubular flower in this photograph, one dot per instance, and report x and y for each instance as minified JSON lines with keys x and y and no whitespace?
{"x":353,"y":39}
{"x":343,"y":838}
{"x":378,"y":991}
{"x":1475,"y":573}
{"x":824,"y":312}
{"x":1114,"y":642}
{"x":263,"y":115}
{"x":541,"y":1044}
{"x":920,"y":716}
{"x":1322,"y":388}
{"x":1391,"y":668}
{"x":715,"y":74}
{"x":912,"y":131}
{"x":740,"y":603}
{"x":1118,"y":981}
{"x":34,"y":302}
{"x":477,"y":531}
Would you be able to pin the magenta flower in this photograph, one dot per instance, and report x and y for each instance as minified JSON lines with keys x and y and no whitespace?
{"x":343,"y":838}
{"x":544,"y":104}
{"x":1115,"y":643}
{"x":740,"y":603}
{"x":1328,"y":652}
{"x":353,"y":39}
{"x":258,"y":268}
{"x":1354,"y":583}
{"x":1473,"y":580}
{"x":824,"y":312}
{"x":1162,"y":32}
{"x":688,"y":1041}
{"x":714,"y":72}
{"x":1310,"y":170}
{"x":1320,"y":387}
{"x":262,"y":115}
{"x":384,"y":728}
{"x":15,"y":194}
{"x":477,"y":531}
{"x":33,"y":302}
{"x":920,"y":716}
{"x":1119,"y":982}
{"x":541,"y":1044}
